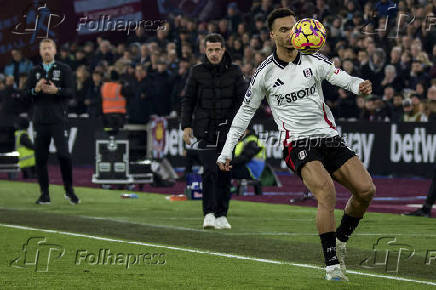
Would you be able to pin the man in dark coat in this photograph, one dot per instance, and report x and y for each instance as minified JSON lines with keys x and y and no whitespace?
{"x":49,"y":85}
{"x":214,"y":91}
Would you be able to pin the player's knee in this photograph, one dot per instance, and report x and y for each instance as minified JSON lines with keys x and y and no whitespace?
{"x":324,"y":187}
{"x":367,"y":193}
{"x":326,"y":194}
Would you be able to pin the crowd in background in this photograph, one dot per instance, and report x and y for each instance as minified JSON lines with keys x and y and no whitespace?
{"x":393,"y":45}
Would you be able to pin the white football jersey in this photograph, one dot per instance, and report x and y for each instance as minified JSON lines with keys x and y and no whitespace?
{"x":294,"y":93}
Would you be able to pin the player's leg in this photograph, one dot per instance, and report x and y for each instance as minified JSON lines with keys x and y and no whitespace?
{"x":353,"y":176}
{"x":42,"y":143}
{"x":60,"y":137}
{"x":305,"y":159}
{"x":319,"y":182}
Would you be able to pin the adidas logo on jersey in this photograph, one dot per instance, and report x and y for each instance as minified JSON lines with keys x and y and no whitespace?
{"x":278,"y":83}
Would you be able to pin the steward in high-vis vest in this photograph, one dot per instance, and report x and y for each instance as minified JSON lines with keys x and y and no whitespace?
{"x":25,"y":148}
{"x":113,"y":103}
{"x":249,"y":160}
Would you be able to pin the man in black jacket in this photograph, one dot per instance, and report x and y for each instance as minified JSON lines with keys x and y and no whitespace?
{"x":49,"y":84}
{"x":214,"y":92}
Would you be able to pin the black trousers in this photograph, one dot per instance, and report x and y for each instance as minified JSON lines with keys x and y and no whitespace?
{"x":191,"y":159}
{"x":59,"y":133}
{"x":431,"y":196}
{"x":216,"y":183}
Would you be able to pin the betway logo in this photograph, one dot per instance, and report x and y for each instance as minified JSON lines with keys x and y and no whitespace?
{"x":416,"y":147}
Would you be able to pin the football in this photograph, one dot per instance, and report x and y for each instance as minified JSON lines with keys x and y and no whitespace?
{"x":308,"y":35}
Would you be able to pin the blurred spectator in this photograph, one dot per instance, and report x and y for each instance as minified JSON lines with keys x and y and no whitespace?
{"x":79,"y":60}
{"x":145,"y":57}
{"x":113,"y":103}
{"x":376,"y":64}
{"x":388,"y":94}
{"x":139,"y":93}
{"x":375,"y":110}
{"x":413,"y":111}
{"x":264,"y":8}
{"x":346,"y":108}
{"x":179,"y":82}
{"x":11,"y":100}
{"x":385,"y":8}
{"x":233,"y":16}
{"x":417,"y":74}
{"x":83,"y":84}
{"x":397,"y":109}
{"x":104,"y":53}
{"x":65,"y":55}
{"x":432,"y":111}
{"x":162,"y":87}
{"x":363,"y":67}
{"x":431,"y":93}
{"x":391,"y":79}
{"x":322,"y":10}
{"x":93,"y":97}
{"x":17,"y":66}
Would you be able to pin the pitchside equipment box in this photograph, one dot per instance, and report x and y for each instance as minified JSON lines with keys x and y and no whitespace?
{"x":117,"y":162}
{"x":112,"y":159}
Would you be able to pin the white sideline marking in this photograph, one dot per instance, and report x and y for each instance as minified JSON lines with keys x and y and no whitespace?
{"x":239,"y":257}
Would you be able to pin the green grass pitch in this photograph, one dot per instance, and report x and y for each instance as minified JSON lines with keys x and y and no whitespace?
{"x":151,"y":243}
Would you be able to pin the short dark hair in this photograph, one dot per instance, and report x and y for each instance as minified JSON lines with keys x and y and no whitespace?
{"x":47,"y":40}
{"x":214,"y":37}
{"x":278,"y":13}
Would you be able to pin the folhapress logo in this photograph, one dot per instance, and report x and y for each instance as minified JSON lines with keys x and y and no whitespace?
{"x":388,"y":253}
{"x":38,"y":254}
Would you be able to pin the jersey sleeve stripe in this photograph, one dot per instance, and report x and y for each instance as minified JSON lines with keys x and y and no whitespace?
{"x":264,"y":64}
{"x":319,"y":57}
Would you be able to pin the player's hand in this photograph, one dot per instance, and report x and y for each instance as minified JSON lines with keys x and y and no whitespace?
{"x":224,"y":166}
{"x":39,"y":84}
{"x":187,"y":135}
{"x":50,"y":88}
{"x":365,"y":87}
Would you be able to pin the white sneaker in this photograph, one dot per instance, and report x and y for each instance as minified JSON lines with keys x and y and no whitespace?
{"x":209,"y":221}
{"x":341,"y":251}
{"x":221,"y":223}
{"x":334,"y":273}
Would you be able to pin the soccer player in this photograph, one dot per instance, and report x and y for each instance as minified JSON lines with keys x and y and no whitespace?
{"x":312,"y":147}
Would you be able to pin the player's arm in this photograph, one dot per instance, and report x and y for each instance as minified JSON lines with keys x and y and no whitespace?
{"x":342,"y":79}
{"x":252,"y":99}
